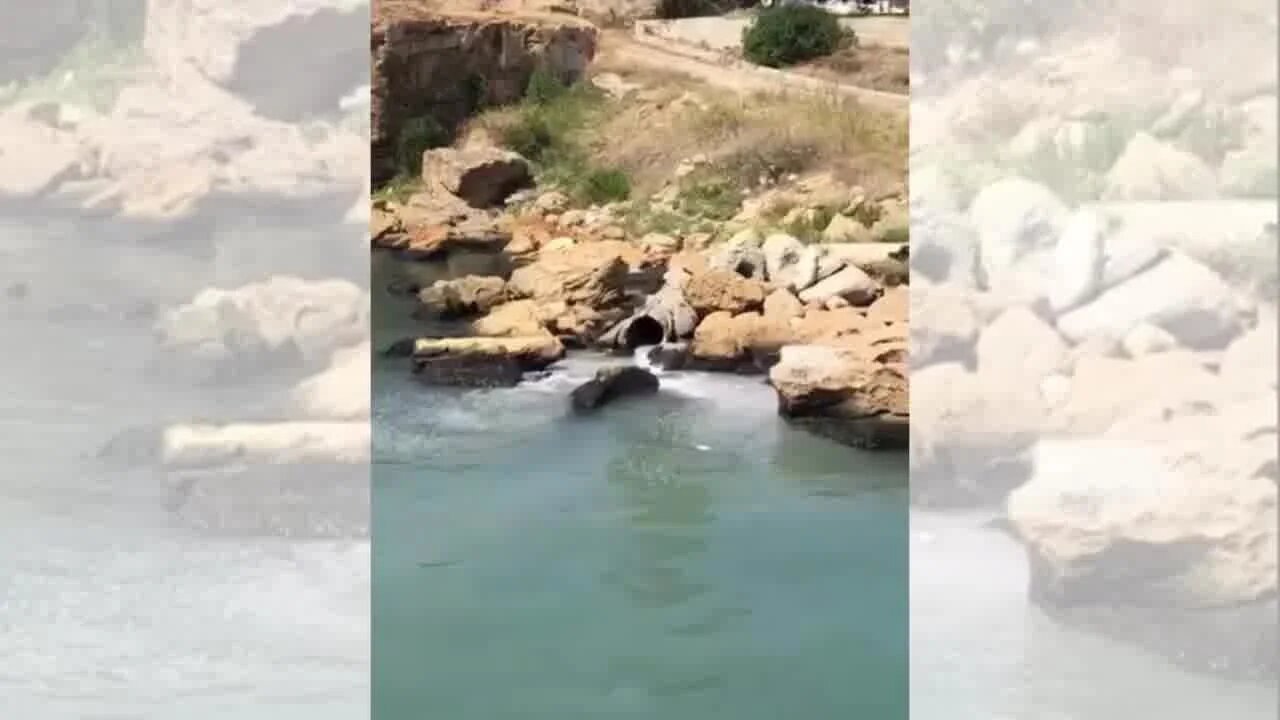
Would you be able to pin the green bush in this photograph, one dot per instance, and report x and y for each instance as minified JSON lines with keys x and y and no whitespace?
{"x":416,"y":137}
{"x":530,"y":135}
{"x":788,"y":34}
{"x":605,"y":185}
{"x":543,"y":88}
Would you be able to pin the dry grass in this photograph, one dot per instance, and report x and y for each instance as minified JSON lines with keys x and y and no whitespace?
{"x":871,"y":66}
{"x":749,"y":138}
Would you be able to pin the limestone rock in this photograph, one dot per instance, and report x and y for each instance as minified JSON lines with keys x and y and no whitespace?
{"x":481,"y":176}
{"x":483,"y":362}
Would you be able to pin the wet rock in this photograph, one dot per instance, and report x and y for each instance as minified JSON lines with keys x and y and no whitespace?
{"x":483,"y":362}
{"x":611,"y":384}
{"x":856,"y":396}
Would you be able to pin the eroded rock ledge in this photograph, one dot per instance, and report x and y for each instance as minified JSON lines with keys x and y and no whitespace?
{"x":448,"y":66}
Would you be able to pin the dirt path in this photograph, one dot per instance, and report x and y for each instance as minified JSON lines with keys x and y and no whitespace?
{"x":737,"y":76}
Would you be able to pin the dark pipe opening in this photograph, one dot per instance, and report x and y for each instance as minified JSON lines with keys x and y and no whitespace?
{"x":642,"y":331}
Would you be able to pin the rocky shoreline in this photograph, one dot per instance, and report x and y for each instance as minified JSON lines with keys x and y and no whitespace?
{"x":825,"y":324}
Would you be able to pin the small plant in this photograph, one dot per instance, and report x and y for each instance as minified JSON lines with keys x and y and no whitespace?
{"x":710,"y":198}
{"x":543,"y":88}
{"x":530,"y":136}
{"x":399,"y":189}
{"x":416,"y":137}
{"x":602,"y":186}
{"x":789,"y":34}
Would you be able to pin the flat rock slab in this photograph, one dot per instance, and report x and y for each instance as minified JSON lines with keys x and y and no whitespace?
{"x":483,"y":362}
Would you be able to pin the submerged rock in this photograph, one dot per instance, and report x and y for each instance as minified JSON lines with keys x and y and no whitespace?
{"x":612,"y":383}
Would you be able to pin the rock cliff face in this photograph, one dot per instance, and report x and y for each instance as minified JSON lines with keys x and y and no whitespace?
{"x":448,"y":66}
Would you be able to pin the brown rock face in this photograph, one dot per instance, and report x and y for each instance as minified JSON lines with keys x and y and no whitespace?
{"x":446,"y":67}
{"x":481,"y":176}
{"x":470,"y":295}
{"x":721,"y":290}
{"x":856,"y":394}
{"x":483,"y":362}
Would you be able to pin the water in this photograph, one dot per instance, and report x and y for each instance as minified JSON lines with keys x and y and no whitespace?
{"x":680,"y":556}
{"x":109,"y":605}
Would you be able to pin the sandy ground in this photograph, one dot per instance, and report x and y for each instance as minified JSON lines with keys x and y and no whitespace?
{"x":739,"y":76}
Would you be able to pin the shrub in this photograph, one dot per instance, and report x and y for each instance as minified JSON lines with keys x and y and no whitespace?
{"x":543,"y":88}
{"x":789,"y":34}
{"x":605,"y":185}
{"x":530,"y":135}
{"x":416,"y":137}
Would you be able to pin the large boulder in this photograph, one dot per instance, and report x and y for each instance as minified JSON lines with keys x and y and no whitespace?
{"x":483,"y":361}
{"x":340,"y":392}
{"x":1250,"y":170}
{"x":481,"y":176}
{"x":851,"y":284}
{"x":462,"y":297}
{"x":1018,"y":223}
{"x":1164,"y":532}
{"x":1178,"y":294}
{"x":744,"y":343}
{"x":741,"y":254}
{"x":856,"y":395}
{"x":591,"y":274}
{"x":274,"y":324}
{"x":724,"y":291}
{"x":610,"y":384}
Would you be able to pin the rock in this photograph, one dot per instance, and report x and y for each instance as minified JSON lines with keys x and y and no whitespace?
{"x":614,"y":85}
{"x":573,"y":218}
{"x":863,"y":255}
{"x":783,"y":304}
{"x":462,"y":297}
{"x":725,"y":342}
{"x":1018,"y":222}
{"x":1151,"y":170}
{"x":1179,"y":295}
{"x":851,"y":283}
{"x":1020,"y":347}
{"x":36,"y":158}
{"x":1168,"y":528}
{"x":591,"y":274}
{"x":560,"y":243}
{"x":970,"y":435}
{"x":786,"y":262}
{"x":669,"y":356}
{"x":1105,"y":390}
{"x":1146,"y":339}
{"x":741,"y":255}
{"x":944,"y":326}
{"x":613,"y":232}
{"x":460,"y":62}
{"x":894,"y":306}
{"x":721,"y":290}
{"x":945,"y":249}
{"x":844,"y":229}
{"x":1078,"y":261}
{"x":552,"y":201}
{"x":610,"y":384}
{"x":661,"y":242}
{"x":342,"y":391}
{"x":483,"y":362}
{"x":854,"y":396}
{"x":280,"y":322}
{"x":519,"y":318}
{"x":482,"y":176}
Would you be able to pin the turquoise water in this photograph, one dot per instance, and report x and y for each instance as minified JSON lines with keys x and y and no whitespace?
{"x":678,"y":556}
